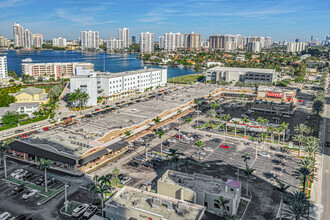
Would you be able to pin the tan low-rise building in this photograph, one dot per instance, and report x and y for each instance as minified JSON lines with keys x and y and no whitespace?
{"x":31,"y":94}
{"x":201,"y":189}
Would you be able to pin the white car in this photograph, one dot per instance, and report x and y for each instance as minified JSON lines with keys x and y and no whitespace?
{"x":244,"y":116}
{"x":77,"y":212}
{"x":208,"y":149}
{"x":200,"y":152}
{"x":90,"y":211}
{"x":150,"y":154}
{"x":196,"y":156}
{"x":167,"y":151}
{"x":160,"y":157}
{"x":6,"y":134}
{"x":263,"y":154}
{"x":171,"y":140}
{"x":5,"y":216}
{"x":22,"y":174}
{"x":125,"y":180}
{"x":186,"y":141}
{"x":16,"y":172}
{"x":35,"y":126}
{"x":29,"y":194}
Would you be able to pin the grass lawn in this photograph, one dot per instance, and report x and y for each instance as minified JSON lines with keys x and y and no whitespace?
{"x":71,"y":206}
{"x":184,"y":79}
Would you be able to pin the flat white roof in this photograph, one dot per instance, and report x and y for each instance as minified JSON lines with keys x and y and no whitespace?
{"x":241,"y":69}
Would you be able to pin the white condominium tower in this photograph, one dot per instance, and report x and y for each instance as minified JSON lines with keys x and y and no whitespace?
{"x":3,"y":67}
{"x":123,"y":35}
{"x":28,"y":40}
{"x":38,"y":40}
{"x":173,"y":41}
{"x":295,"y":47}
{"x":59,"y":42}
{"x":89,"y":40}
{"x":18,"y":35}
{"x":146,"y":42}
{"x":161,"y":42}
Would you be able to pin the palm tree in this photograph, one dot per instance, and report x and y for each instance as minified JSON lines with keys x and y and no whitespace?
{"x":223,"y":126}
{"x":188,"y":120}
{"x":303,"y":173}
{"x":156,"y":120}
{"x":213,"y":105}
{"x":44,"y":164}
{"x":282,"y":189}
{"x":116,"y":172}
{"x":248,"y":174}
{"x":84,"y":99}
{"x":222,"y":202}
{"x":297,"y":208}
{"x":225,"y":118}
{"x":211,"y":113}
{"x":101,"y":190}
{"x":199,"y":144}
{"x":160,"y":135}
{"x":245,"y":121}
{"x":104,"y":180}
{"x":185,"y":164}
{"x":263,"y":122}
{"x":235,"y":123}
{"x":300,"y":139}
{"x":174,"y":156}
{"x":271,"y":130}
{"x":95,"y":179}
{"x":306,"y":162}
{"x":246,"y":157}
{"x":302,"y":129}
{"x":128,"y":134}
{"x":284,"y":126}
{"x":279,"y":131}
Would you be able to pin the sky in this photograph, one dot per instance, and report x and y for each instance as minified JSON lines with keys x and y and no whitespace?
{"x":280,"y":19}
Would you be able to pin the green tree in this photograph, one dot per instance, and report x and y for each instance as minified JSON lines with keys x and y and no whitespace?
{"x":303,"y":173}
{"x":222,"y":202}
{"x":211,"y":113}
{"x":4,"y":149}
{"x":297,"y":208}
{"x":128,"y":134}
{"x":174,"y":157}
{"x":248,"y":174}
{"x":44,"y":164}
{"x":246,"y":157}
{"x":235,"y":123}
{"x":160,"y":135}
{"x":188,"y":120}
{"x":271,"y":130}
{"x":199,"y":144}
{"x":6,"y":99}
{"x":101,"y":190}
{"x":11,"y":118}
{"x":245,"y":121}
{"x":282,"y":189}
{"x":284,"y":127}
{"x":300,"y":139}
{"x":225,"y":118}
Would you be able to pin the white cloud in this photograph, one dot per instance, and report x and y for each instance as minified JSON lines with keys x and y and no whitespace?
{"x":10,"y":3}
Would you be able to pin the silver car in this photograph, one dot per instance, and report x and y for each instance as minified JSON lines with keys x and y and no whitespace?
{"x":79,"y":211}
{"x":29,"y":194}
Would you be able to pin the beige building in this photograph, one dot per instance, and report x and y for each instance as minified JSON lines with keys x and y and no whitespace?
{"x":135,"y":204}
{"x":55,"y":70}
{"x":4,"y":42}
{"x":192,"y":41}
{"x":217,"y":42}
{"x":201,"y":189}
{"x":31,"y":94}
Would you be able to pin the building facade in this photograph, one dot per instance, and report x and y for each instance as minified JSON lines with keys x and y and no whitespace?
{"x":89,"y":40}
{"x":117,"y":85}
{"x":4,"y":42}
{"x":28,"y":39}
{"x":217,"y":42}
{"x":233,"y":74}
{"x":123,"y":36}
{"x":161,"y":42}
{"x":53,"y":70}
{"x":30,"y":95}
{"x":114,"y":44}
{"x":192,"y":41}
{"x":146,"y":42}
{"x":59,"y":42}
{"x":202,"y":190}
{"x":18,"y":35}
{"x":254,"y":46}
{"x":38,"y":40}
{"x":3,"y":67}
{"x":294,"y":47}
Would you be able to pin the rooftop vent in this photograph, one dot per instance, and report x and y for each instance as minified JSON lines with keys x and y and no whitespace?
{"x":124,"y":196}
{"x":135,"y":202}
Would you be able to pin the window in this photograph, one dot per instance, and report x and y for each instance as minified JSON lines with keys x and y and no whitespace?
{"x":216,"y":205}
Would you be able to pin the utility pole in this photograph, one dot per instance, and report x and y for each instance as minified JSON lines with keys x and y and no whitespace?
{"x":66,"y":197}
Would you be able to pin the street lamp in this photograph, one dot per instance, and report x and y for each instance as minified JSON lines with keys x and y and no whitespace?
{"x":65,"y":197}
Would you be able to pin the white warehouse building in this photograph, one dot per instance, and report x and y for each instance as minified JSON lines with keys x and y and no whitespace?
{"x":116,"y":85}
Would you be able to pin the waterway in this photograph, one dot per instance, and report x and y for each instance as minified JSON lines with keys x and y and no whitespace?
{"x":102,"y":61}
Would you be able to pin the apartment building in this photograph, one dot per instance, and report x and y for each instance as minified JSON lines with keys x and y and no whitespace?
{"x":59,"y":42}
{"x":173,"y":41}
{"x":131,"y":203}
{"x":123,"y":37}
{"x":18,"y":35}
{"x":89,"y":40}
{"x":4,"y":42}
{"x":116,"y":85}
{"x":146,"y":42}
{"x":161,"y":42}
{"x":3,"y":67}
{"x":233,"y":74}
{"x":114,"y":44}
{"x":202,"y":190}
{"x":217,"y":42}
{"x":294,"y":47}
{"x":53,"y":70}
{"x":254,"y":46}
{"x":192,"y":41}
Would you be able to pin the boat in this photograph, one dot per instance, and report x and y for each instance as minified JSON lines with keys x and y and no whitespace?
{"x":27,"y":60}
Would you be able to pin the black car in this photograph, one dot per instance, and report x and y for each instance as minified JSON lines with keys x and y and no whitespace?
{"x":148,"y":164}
{"x":19,"y":131}
{"x":129,"y":151}
{"x":18,"y":189}
{"x":134,"y":164}
{"x":121,"y":176}
{"x":27,"y":176}
{"x":216,"y":140}
{"x":40,"y":181}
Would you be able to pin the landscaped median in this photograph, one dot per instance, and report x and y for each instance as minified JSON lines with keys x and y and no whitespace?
{"x":41,"y":190}
{"x":71,"y":206}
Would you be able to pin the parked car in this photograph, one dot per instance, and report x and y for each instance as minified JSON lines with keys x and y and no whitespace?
{"x":125,"y":180}
{"x":134,"y":164}
{"x":208,"y":149}
{"x":5,"y":216}
{"x":171,"y":140}
{"x":200,"y":152}
{"x":16,"y":172}
{"x":19,"y":189}
{"x":185,"y":141}
{"x":138,"y":158}
{"x":27,"y":176}
{"x":46,"y":128}
{"x":22,"y":174}
{"x":263,"y":154}
{"x":90,"y":211}
{"x":196,"y":156}
{"x":120,"y":176}
{"x":79,"y":211}
{"x":6,"y":134}
{"x":179,"y":136}
{"x":18,"y":131}
{"x":160,"y":157}
{"x":49,"y":182}
{"x":29,"y":194}
{"x":40,"y":181}
{"x":166,"y":151}
{"x":150,"y":154}
{"x":35,"y":126}
{"x":225,"y":146}
{"x":148,"y":164}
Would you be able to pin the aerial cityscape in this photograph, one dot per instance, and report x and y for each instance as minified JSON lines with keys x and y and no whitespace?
{"x":147,"y":110}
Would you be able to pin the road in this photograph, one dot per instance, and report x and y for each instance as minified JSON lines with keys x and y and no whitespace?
{"x":322,"y":191}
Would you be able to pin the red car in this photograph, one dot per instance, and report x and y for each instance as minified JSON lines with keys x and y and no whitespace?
{"x":24,"y":135}
{"x":46,"y":129}
{"x":179,"y":136}
{"x":225,"y":146}
{"x":300,"y":100}
{"x":97,"y":109}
